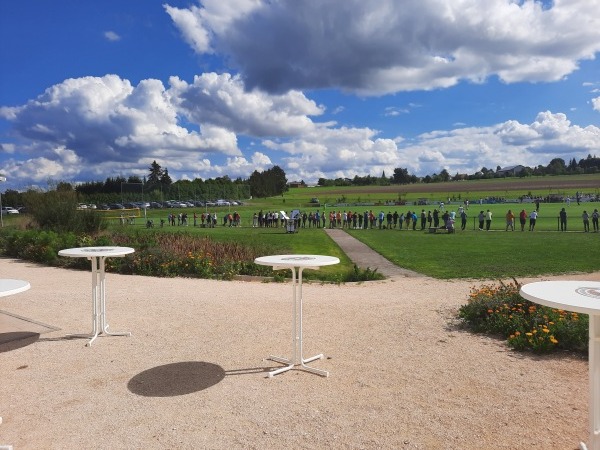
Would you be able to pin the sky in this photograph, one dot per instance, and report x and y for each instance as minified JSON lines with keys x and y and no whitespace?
{"x":332,"y":89}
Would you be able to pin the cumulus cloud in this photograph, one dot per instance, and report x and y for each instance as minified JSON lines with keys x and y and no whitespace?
{"x":346,"y":152}
{"x":107,"y":118}
{"x":220,"y":99}
{"x":112,"y":36}
{"x":596,"y":103}
{"x":113,"y":126}
{"x":375,"y":47}
{"x":60,"y":163}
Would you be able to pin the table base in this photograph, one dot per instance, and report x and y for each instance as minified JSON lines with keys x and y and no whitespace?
{"x":301,"y":365}
{"x":298,"y":357}
{"x":99,"y":323}
{"x":94,"y":334}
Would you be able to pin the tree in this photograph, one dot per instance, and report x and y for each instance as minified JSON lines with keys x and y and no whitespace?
{"x":156,"y":173}
{"x":165,"y":179}
{"x":444,"y":175}
{"x":64,"y":186}
{"x":401,"y":176}
{"x":279,"y":180}
{"x":268,"y":183}
{"x":557,"y":167}
{"x":134,"y":179}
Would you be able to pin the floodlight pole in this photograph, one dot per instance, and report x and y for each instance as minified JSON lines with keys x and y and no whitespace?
{"x":2,"y":179}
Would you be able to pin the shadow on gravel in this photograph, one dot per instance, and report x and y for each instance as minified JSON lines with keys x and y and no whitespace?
{"x":176,"y":379}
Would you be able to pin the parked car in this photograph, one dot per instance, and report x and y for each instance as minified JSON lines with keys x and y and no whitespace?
{"x":9,"y":210}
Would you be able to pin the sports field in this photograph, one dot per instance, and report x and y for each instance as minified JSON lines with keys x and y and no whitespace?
{"x":467,"y":253}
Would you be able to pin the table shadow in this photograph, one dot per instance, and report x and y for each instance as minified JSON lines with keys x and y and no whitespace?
{"x":17,"y":339}
{"x":175,"y":379}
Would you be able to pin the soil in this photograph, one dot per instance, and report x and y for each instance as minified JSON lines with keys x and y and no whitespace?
{"x":518,"y":186}
{"x":403,"y":373}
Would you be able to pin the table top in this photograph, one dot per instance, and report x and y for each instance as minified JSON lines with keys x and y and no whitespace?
{"x":9,"y":286}
{"x":92,"y":252}
{"x":289,"y":261}
{"x":578,"y":296}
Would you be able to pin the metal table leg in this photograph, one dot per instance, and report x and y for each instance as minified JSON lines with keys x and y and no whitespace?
{"x":99,"y":324}
{"x":594,"y":380}
{"x":297,"y":350}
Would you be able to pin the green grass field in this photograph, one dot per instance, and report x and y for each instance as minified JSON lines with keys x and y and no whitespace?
{"x":464,"y":254}
{"x":468,"y":254}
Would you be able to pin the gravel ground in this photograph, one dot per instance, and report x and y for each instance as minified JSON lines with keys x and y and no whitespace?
{"x":192,"y":375}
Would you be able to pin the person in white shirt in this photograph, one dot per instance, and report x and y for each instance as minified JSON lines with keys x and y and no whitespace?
{"x":532,"y":219}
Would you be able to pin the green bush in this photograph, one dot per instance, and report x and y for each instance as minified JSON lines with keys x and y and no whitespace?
{"x":500,"y":310}
{"x":367,"y":274}
{"x":39,"y":246}
{"x":57,"y":211}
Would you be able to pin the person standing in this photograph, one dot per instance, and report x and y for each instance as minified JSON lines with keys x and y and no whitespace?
{"x":563,"y":219}
{"x":436,"y":218}
{"x":463,"y":219}
{"x":488,"y":220}
{"x":510,"y":220}
{"x":595,"y":217}
{"x":423,"y":219}
{"x":532,"y":219}
{"x":523,"y":219}
{"x":586,"y":221}
{"x":481,"y":218}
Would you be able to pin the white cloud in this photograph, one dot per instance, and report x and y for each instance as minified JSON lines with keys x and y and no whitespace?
{"x":346,"y":152}
{"x":596,"y":103}
{"x":61,"y":164}
{"x":108,"y":118}
{"x":112,"y":36}
{"x":374,"y":47}
{"x":221,"y":100}
{"x":90,"y":128}
{"x":198,"y":25}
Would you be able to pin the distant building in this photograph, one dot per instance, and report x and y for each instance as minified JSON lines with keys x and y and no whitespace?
{"x":297,"y":184}
{"x":510,"y":171}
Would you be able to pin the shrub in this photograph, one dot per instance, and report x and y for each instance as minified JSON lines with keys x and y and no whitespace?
{"x":500,"y":310}
{"x":57,"y":211}
{"x":358,"y":274}
{"x":39,"y":246}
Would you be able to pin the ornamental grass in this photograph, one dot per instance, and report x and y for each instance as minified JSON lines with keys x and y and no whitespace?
{"x":498,"y":309}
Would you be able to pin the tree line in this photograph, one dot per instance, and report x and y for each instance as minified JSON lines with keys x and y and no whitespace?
{"x":158,"y":186}
{"x":557,"y":166}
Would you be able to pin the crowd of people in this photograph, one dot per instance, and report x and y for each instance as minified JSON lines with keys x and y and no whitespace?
{"x":204,"y":220}
{"x":364,"y":220}
{"x":411,"y":220}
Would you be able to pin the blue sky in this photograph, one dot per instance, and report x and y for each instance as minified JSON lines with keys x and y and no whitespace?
{"x":91,"y":90}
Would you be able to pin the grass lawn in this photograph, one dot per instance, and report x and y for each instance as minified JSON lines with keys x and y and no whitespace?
{"x":468,"y":254}
{"x":481,"y":254}
{"x":465,"y":254}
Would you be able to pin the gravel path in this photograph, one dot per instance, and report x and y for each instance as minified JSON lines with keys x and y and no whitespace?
{"x":402,"y":374}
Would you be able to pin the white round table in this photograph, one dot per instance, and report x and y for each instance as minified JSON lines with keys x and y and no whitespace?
{"x":581,"y":297}
{"x":98,"y":255}
{"x":297,"y":263}
{"x":10,"y":286}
